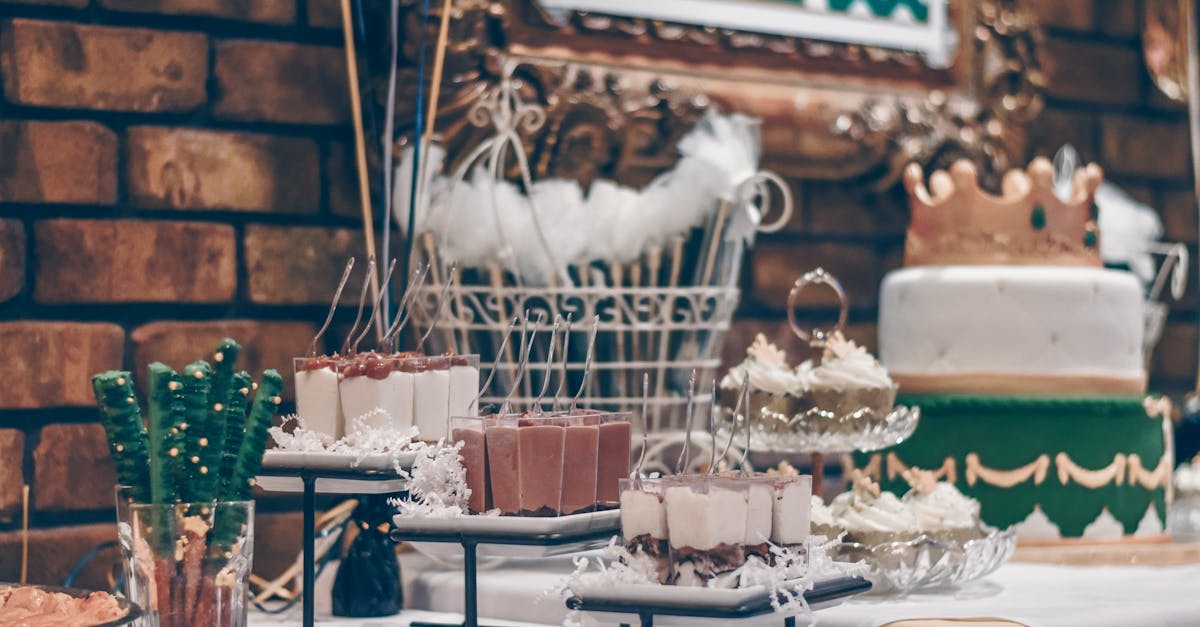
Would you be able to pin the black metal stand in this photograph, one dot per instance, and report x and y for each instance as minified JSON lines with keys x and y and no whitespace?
{"x":314,"y":481}
{"x":822,"y":593}
{"x":586,"y":540}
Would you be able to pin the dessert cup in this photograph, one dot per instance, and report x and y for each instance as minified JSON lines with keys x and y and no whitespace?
{"x":612,"y":457}
{"x":706,"y":527}
{"x":791,"y":510}
{"x":318,"y":402}
{"x":581,"y":461}
{"x":821,"y":519}
{"x":463,"y":391}
{"x":644,"y":523}
{"x":878,"y":518}
{"x":503,"y":462}
{"x":371,"y":389}
{"x":431,"y":397}
{"x":470,"y":431}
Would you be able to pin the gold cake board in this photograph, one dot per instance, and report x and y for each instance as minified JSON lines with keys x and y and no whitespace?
{"x":1169,"y":553}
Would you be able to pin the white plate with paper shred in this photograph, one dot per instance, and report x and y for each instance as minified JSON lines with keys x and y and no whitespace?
{"x":275,"y":459}
{"x":512,"y":525}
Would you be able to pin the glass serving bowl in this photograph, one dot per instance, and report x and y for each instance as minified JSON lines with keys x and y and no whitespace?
{"x":817,"y":431}
{"x":924,"y":563}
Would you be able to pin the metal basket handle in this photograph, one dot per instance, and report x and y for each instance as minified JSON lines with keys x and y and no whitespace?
{"x":816,"y":336}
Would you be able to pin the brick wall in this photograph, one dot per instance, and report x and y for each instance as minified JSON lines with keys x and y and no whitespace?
{"x":165,"y":177}
{"x":174,"y":171}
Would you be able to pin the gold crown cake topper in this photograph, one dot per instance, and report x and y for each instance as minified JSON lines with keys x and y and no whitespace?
{"x":954,"y":222}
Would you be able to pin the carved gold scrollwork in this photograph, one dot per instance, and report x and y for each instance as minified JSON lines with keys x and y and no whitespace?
{"x":1068,"y":470}
{"x":1036,"y":470}
{"x":1149,"y":479}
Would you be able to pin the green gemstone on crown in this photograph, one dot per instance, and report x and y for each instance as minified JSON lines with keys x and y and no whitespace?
{"x":1038,"y":218}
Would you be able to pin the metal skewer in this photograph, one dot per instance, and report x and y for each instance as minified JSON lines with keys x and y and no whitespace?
{"x":337,"y":296}
{"x":362,"y":302}
{"x":685,"y":454}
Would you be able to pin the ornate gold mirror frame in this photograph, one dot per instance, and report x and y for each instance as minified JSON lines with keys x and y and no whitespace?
{"x":619,"y":90}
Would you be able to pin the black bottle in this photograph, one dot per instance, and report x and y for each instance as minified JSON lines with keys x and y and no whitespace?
{"x":368,"y":579}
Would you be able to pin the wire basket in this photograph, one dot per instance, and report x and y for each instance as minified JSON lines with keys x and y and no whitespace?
{"x":665,"y":332}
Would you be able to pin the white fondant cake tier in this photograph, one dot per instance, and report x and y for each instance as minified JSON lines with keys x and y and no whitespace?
{"x":1012,"y":330}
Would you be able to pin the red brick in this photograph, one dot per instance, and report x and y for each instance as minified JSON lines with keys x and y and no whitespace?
{"x":1093,"y":72}
{"x":55,"y":551}
{"x":12,"y":477}
{"x":777,"y":266}
{"x":134,"y":261}
{"x":1066,"y":14}
{"x":265,"y":11}
{"x":57,"y":162}
{"x":324,"y":14}
{"x":342,"y":176}
{"x":1055,"y":127}
{"x":1175,"y":357}
{"x":57,"y":361}
{"x":61,"y":64}
{"x":72,"y":468}
{"x":264,"y":344}
{"x":262,"y":81}
{"x":299,"y":265}
{"x":837,"y":208}
{"x":12,"y":258}
{"x":1118,"y":18}
{"x":180,"y":168}
{"x":1178,"y":211}
{"x":1138,"y":147}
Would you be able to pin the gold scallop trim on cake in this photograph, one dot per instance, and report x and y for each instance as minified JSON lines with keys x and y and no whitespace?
{"x":1035,"y":469}
{"x":873,"y":467}
{"x":897,"y":468}
{"x":1068,"y":470}
{"x":1160,"y":407}
{"x":1149,"y":479}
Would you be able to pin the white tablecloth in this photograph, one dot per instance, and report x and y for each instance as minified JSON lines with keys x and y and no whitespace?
{"x":1033,"y":594}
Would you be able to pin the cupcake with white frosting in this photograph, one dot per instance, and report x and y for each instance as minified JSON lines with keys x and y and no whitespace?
{"x":774,"y":387}
{"x":849,"y":379}
{"x":942,"y":512}
{"x":821,"y":520}
{"x":1187,"y":478}
{"x":871,"y":516}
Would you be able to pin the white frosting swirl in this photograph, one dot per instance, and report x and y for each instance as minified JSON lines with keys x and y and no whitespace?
{"x":765,"y":377}
{"x":882,"y":513}
{"x":943,"y":508}
{"x":847,"y":365}
{"x":1187,"y":478}
{"x":821,"y":514}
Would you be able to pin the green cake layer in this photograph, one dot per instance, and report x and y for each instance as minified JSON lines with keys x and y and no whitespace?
{"x":1110,"y":453}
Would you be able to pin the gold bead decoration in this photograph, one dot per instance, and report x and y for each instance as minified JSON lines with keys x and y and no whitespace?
{"x":174,"y":452}
{"x":254,"y":385}
{"x":199,"y":374}
{"x":195,"y":459}
{"x":131,"y":400}
{"x":203,"y":441}
{"x":183,"y":426}
{"x":218,"y":356}
{"x":245,"y":391}
{"x":218,"y":407}
{"x":119,"y":447}
{"x":204,"y":470}
{"x":174,"y":385}
{"x":120,"y":380}
{"x":276,"y":400}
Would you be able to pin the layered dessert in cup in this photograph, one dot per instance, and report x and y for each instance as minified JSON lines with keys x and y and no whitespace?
{"x":644,"y":524}
{"x":374,"y":388}
{"x":821,"y":519}
{"x":318,"y":403}
{"x":540,"y":465}
{"x":470,"y":431}
{"x":706,"y":527}
{"x":791,"y":510}
{"x":612,"y":462}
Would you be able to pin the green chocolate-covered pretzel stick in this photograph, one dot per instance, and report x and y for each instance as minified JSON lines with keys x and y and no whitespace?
{"x":165,"y":411}
{"x":199,"y":462}
{"x":122,"y":420}
{"x":235,"y":426}
{"x":254,"y":440}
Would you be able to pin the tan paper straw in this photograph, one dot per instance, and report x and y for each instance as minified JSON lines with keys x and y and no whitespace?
{"x":360,"y":154}
{"x":24,"y":533}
